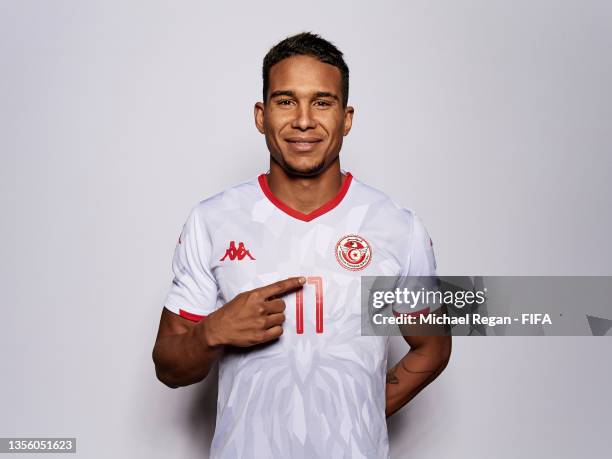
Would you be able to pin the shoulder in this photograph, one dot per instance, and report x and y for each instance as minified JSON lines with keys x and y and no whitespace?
{"x":384,"y":207}
{"x":233,"y":198}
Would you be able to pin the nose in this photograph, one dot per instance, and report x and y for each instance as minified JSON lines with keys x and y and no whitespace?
{"x":303,"y":118}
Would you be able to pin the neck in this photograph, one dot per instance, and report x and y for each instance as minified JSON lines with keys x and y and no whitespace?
{"x":305,"y":194}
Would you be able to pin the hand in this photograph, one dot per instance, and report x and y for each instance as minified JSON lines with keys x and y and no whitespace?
{"x":252,"y":317}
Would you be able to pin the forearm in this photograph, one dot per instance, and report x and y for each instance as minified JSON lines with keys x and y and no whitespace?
{"x":413,"y":373}
{"x":186,"y":358}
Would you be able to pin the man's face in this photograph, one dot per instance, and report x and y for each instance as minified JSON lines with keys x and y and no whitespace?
{"x":303,"y":118}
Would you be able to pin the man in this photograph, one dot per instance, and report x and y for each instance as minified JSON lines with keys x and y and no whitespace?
{"x":267,"y":282}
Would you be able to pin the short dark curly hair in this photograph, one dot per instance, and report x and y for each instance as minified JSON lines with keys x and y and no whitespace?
{"x":306,"y":44}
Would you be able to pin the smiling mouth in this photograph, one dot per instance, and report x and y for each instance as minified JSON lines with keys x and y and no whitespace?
{"x":303,"y":143}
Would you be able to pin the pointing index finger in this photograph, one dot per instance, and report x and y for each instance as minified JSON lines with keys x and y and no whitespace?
{"x":281,"y":287}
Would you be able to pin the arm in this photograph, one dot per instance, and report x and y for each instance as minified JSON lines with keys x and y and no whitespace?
{"x":430,"y":345}
{"x":185,"y":351}
{"x":427,"y":358}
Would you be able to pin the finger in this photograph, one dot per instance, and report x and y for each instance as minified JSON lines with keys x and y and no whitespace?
{"x":275,"y":319}
{"x":281,"y":287}
{"x":274,"y":306}
{"x":272,"y":333}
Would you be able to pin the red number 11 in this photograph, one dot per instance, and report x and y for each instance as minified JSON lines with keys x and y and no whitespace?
{"x":299,"y":305}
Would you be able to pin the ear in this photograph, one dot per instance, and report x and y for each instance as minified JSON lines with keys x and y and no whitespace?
{"x":348,"y":119}
{"x":259,"y":116}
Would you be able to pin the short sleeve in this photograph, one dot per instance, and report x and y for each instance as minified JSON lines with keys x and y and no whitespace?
{"x":419,"y":271}
{"x":193,"y":293}
{"x":422,"y":261}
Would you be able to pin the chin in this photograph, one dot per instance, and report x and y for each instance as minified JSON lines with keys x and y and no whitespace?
{"x":303,"y":168}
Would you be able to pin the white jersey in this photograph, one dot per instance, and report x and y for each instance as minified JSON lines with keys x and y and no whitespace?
{"x":319,"y":390}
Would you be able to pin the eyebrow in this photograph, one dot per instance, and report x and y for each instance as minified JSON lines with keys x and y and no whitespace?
{"x":326,"y":94}
{"x":292,"y":94}
{"x":282,"y":93}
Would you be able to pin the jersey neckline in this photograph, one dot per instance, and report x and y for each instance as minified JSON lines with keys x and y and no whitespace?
{"x":329,"y":205}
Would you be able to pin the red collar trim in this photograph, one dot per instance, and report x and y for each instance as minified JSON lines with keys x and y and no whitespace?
{"x":329,"y":205}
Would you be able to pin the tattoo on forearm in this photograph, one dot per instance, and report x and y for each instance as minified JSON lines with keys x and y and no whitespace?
{"x":392,"y":376}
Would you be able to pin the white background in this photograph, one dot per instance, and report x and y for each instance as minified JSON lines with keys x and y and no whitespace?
{"x":491,"y":119}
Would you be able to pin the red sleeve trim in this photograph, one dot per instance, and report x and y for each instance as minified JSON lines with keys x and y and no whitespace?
{"x":415,"y":313}
{"x":190,"y":316}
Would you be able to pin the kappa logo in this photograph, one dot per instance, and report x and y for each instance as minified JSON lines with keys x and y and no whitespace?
{"x":236,"y":253}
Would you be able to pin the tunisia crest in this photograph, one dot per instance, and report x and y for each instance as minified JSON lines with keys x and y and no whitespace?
{"x":353,"y":252}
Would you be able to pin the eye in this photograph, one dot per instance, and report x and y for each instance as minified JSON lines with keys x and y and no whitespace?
{"x":284,"y":102}
{"x":322,"y":103}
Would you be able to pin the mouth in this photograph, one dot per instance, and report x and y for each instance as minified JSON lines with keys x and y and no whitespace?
{"x":303,"y":143}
